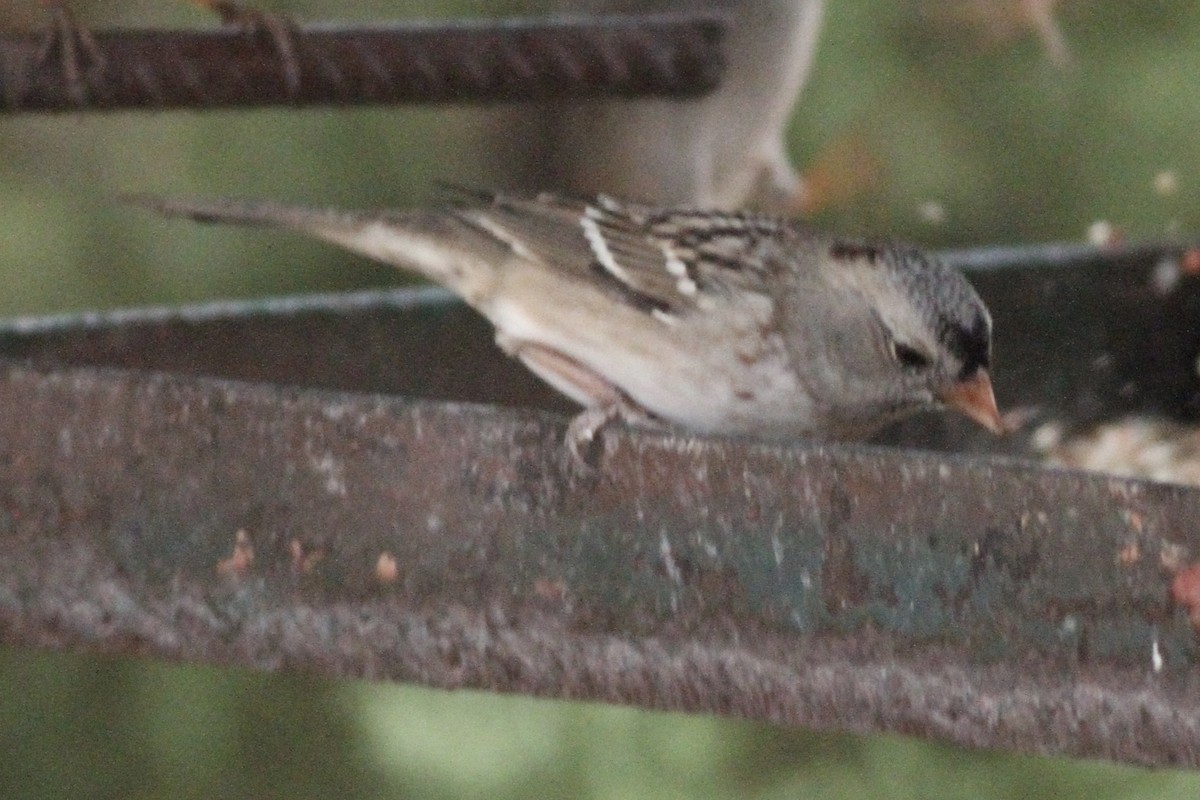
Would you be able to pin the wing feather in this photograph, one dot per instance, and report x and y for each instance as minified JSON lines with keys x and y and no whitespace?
{"x":668,"y":260}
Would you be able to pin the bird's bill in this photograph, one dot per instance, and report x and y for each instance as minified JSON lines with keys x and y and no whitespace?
{"x":974,"y":398}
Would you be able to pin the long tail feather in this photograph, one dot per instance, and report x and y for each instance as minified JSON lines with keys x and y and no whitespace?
{"x":438,"y":245}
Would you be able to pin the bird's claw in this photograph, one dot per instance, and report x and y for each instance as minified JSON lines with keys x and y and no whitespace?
{"x":78,"y":51}
{"x":279,"y":29}
{"x":582,"y":441}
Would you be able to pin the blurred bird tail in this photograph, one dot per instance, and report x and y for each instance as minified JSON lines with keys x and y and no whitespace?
{"x":437,"y":245}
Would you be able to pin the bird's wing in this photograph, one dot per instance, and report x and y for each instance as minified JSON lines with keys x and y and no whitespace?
{"x":673,"y":261}
{"x":661,"y":261}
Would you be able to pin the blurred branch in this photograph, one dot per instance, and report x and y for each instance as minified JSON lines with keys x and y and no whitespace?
{"x":68,"y":69}
{"x":727,"y":150}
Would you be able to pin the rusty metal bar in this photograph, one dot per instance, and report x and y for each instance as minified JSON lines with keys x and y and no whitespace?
{"x":268,"y":523}
{"x":277,"y":528}
{"x":329,"y":64}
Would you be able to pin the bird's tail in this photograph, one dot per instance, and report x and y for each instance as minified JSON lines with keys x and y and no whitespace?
{"x":437,"y":245}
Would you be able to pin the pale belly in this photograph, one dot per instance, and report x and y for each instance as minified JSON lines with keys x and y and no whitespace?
{"x":715,"y":389}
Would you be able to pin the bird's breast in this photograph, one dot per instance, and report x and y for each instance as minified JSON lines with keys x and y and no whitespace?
{"x":709,"y":373}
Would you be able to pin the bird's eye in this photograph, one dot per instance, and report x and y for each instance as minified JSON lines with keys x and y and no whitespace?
{"x":910,"y":357}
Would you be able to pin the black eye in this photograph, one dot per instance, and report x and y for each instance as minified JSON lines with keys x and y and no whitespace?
{"x":909,"y":357}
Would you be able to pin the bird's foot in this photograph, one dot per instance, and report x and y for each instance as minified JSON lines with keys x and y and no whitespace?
{"x":584,"y":442}
{"x":77,"y":51}
{"x":278,"y":29}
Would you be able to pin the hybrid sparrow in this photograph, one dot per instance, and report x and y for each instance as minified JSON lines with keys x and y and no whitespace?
{"x":718,"y":322}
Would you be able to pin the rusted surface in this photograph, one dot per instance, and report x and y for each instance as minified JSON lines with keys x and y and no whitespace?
{"x":523,"y":59}
{"x":830,"y":587}
{"x":272,"y":524}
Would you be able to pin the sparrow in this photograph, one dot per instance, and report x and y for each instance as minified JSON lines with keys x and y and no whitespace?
{"x":717,"y":322}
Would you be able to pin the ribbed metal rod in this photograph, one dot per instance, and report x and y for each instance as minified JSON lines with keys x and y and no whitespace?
{"x":66,"y":69}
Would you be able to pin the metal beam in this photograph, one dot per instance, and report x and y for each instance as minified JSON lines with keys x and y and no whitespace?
{"x":267,"y":523}
{"x":68,"y":69}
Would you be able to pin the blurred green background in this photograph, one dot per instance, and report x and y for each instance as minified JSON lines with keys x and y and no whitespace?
{"x":958,"y":106}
